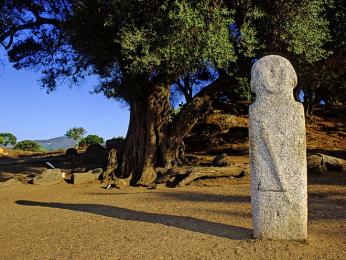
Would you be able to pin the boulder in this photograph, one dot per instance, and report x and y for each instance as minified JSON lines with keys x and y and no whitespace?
{"x":321,"y":163}
{"x":316,"y":165}
{"x":86,"y":177}
{"x":83,"y":177}
{"x":115,"y":143}
{"x":221,"y":161}
{"x":95,"y":155}
{"x":71,"y":152}
{"x":49,"y":177}
{"x":96,"y":172}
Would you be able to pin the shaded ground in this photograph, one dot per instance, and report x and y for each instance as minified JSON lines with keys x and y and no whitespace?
{"x":86,"y":222}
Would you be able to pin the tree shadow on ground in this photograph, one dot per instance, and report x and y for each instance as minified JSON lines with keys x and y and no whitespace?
{"x":181,"y":222}
{"x":18,"y":171}
{"x":331,"y":178}
{"x":188,"y":196}
{"x":327,"y":205}
{"x":207,"y":197}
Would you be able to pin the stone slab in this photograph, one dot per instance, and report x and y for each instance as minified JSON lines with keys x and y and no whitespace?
{"x":49,"y":177}
{"x":83,"y":177}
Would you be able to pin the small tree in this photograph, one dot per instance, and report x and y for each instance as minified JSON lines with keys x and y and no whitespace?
{"x":2,"y":140}
{"x":76,"y":133}
{"x":90,"y":139}
{"x":28,"y":145}
{"x":8,"y":139}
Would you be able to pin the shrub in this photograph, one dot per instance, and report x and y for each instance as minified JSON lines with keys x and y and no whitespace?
{"x":28,"y":145}
{"x":7,"y":139}
{"x":2,"y":140}
{"x":90,"y":139}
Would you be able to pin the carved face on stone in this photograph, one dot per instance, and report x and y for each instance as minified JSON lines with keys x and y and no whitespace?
{"x":273,"y":74}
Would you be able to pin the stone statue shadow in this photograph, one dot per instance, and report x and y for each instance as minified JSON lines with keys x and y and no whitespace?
{"x":181,"y":222}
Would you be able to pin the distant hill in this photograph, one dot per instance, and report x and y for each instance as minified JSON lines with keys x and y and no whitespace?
{"x":56,"y":143}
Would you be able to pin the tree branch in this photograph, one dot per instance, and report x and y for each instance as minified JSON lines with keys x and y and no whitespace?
{"x":192,"y":110}
{"x":30,"y":25}
{"x":9,"y":43}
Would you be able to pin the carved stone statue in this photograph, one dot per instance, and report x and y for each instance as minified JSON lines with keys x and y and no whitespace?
{"x":277,"y":152}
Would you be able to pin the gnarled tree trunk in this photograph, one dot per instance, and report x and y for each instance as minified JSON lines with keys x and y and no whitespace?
{"x":152,"y":140}
{"x":149,"y":117}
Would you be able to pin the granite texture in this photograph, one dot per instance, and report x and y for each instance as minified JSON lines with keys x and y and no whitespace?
{"x":83,"y":177}
{"x":277,"y":152}
{"x":48,"y":177}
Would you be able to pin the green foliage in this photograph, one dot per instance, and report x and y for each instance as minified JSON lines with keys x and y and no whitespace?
{"x":174,"y":112}
{"x":76,"y":133}
{"x":90,"y":139}
{"x":134,"y":44}
{"x":8,"y":139}
{"x":2,"y":140}
{"x":28,"y":145}
{"x":152,"y":41}
{"x":307,"y":32}
{"x":297,"y":30}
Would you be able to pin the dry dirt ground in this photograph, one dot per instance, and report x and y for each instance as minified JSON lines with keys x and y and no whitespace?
{"x":207,"y":220}
{"x":210,"y":219}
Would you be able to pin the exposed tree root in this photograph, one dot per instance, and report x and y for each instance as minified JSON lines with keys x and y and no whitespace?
{"x":321,"y":163}
{"x":109,"y":174}
{"x":182,"y":176}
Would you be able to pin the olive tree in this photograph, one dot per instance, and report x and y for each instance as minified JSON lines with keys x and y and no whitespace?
{"x":140,"y":49}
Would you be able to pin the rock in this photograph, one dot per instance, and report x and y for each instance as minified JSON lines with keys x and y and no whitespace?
{"x":221,"y":161}
{"x":321,"y":163}
{"x":277,"y":152}
{"x":96,"y":172}
{"x":49,"y":177}
{"x":71,"y":152}
{"x":83,"y":177}
{"x":10,"y":182}
{"x":66,"y":176}
{"x":316,"y":164}
{"x":95,"y":155}
{"x":115,"y":143}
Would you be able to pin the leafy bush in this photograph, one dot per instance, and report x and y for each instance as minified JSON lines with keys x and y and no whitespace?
{"x":7,"y":139}
{"x":2,"y":140}
{"x":90,"y":139}
{"x":28,"y":145}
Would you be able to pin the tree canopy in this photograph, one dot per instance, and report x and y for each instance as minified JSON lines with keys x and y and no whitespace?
{"x":158,"y":41}
{"x":76,"y":133}
{"x":28,"y":145}
{"x":7,"y":139}
{"x":90,"y":139}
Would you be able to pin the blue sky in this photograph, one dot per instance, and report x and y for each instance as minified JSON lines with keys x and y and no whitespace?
{"x":29,"y":113}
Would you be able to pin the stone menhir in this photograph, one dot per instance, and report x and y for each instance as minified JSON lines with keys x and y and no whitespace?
{"x":277,"y":152}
